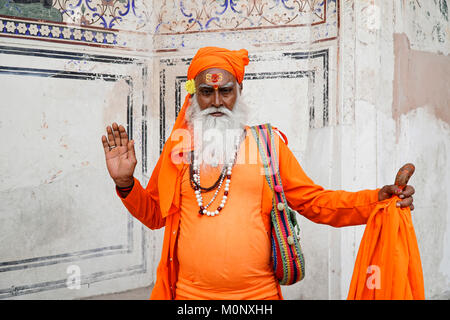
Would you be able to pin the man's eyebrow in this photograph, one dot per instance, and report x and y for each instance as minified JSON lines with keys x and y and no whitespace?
{"x":207,"y":86}
{"x":228,"y":85}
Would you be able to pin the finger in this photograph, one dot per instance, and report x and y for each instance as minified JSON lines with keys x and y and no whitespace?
{"x":116,"y":134}
{"x":131,"y":151}
{"x":123,"y":136}
{"x":405,"y":203}
{"x":392,"y":189}
{"x":111,"y":141}
{"x":407,"y":192}
{"x":105,"y":144}
{"x":411,"y":207}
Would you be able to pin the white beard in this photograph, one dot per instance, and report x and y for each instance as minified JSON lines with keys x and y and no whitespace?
{"x":216,"y":139}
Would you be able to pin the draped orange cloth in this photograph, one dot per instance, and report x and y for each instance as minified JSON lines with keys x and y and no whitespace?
{"x":388,"y":265}
{"x":169,"y":164}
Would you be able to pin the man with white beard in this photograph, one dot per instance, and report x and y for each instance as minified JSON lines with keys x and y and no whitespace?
{"x":218,"y":130}
{"x":215,"y":204}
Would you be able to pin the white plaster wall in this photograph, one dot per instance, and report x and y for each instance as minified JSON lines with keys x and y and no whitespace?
{"x":377,"y":144}
{"x":59,"y":213}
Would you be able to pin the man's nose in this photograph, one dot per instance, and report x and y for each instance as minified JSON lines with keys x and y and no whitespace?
{"x":217,"y":102}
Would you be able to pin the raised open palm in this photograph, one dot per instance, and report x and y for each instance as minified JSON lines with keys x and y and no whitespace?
{"x":119,"y":154}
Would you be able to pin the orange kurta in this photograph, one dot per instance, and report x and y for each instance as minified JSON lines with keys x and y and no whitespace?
{"x":226,"y":256}
{"x":335,"y":208}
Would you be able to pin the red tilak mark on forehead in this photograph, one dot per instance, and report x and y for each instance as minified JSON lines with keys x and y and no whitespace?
{"x":214,"y":77}
{"x":215,"y":86}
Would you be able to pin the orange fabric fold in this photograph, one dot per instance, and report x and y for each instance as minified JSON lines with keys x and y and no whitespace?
{"x":388,"y":265}
{"x":170,"y":164}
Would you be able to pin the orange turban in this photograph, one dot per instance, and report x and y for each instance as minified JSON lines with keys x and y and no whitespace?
{"x":164,"y":177}
{"x":212,"y":57}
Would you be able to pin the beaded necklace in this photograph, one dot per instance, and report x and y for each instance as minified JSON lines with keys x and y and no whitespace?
{"x":198,"y":189}
{"x":194,"y":182}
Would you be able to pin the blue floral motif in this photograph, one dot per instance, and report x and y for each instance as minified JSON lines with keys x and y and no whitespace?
{"x":103,"y":23}
{"x":225,"y":6}
{"x":183,"y":10}
{"x":75,"y":6}
{"x":127,"y":7}
{"x":210,"y":20}
{"x":196,"y":21}
{"x":189,"y":15}
{"x":111,"y":24}
{"x":89,"y":7}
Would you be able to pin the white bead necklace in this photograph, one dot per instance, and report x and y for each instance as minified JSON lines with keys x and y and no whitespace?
{"x":196,"y":176}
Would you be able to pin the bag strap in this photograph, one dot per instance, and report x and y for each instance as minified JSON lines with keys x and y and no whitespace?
{"x":267,"y":148}
{"x":266,"y":145}
{"x":286,"y":248}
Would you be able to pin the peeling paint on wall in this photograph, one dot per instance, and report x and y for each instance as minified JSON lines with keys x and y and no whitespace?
{"x":421,"y":79}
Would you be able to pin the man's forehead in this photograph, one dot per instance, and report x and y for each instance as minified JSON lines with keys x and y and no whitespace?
{"x":214,"y":75}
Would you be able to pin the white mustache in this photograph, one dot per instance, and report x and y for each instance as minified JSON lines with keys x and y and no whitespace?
{"x":212,"y":110}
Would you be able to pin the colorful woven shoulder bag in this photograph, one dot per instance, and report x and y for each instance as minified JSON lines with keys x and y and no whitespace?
{"x":287,"y":256}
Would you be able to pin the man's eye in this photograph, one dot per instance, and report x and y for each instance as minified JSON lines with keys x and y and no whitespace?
{"x":225,"y":90}
{"x":206,"y":92}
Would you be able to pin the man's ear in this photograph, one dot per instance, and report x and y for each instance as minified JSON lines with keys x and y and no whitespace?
{"x":241,"y":86}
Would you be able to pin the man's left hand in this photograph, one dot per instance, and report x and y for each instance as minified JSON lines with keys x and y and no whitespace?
{"x":392,"y":190}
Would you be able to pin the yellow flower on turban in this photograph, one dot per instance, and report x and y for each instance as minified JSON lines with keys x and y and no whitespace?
{"x":190,"y":86}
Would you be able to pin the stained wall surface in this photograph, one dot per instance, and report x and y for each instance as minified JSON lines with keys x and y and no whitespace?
{"x":68,"y":69}
{"x":359,"y":88}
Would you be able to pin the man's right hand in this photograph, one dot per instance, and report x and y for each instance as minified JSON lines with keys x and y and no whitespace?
{"x":120,"y":155}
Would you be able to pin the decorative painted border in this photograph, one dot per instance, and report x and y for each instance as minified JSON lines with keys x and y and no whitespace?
{"x":96,"y":252}
{"x":289,"y":34}
{"x":193,"y":17}
{"x":57,"y":32}
{"x":321,"y":54}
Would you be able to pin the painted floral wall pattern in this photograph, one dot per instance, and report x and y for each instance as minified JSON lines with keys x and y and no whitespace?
{"x":199,"y":15}
{"x":106,"y":14}
{"x":106,"y":22}
{"x":85,"y":22}
{"x":103,"y":13}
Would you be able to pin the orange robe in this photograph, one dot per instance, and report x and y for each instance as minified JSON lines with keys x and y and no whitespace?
{"x":336,"y":208}
{"x":226,"y":256}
